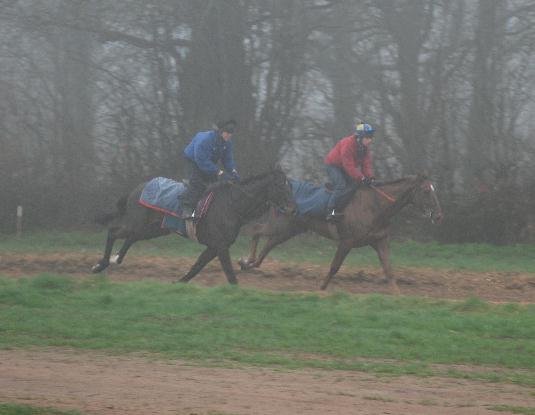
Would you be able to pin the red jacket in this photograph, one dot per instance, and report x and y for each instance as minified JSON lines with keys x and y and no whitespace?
{"x":344,"y":155}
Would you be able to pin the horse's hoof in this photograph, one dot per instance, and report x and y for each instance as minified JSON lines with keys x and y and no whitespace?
{"x":244,"y":264}
{"x":97,"y":268}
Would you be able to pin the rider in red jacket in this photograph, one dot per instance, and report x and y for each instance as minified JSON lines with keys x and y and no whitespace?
{"x":349,"y":163}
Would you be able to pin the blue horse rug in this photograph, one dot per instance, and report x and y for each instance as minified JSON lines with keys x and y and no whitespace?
{"x":310,"y":198}
{"x":163,"y":195}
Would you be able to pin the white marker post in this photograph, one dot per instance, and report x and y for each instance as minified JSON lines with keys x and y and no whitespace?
{"x":19,"y":221}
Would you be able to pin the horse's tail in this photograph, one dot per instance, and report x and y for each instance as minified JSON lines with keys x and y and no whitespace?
{"x":105,"y":218}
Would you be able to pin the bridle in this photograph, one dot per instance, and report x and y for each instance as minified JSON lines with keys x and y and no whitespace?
{"x":392,"y":199}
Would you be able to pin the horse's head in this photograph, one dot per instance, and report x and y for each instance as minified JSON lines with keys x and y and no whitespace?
{"x":279,"y":192}
{"x":426,"y":200}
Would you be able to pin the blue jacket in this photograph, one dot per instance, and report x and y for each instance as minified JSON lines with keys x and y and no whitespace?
{"x":207,"y":149}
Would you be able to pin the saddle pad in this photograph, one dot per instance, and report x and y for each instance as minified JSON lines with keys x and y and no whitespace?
{"x":163,"y":195}
{"x":310,"y":198}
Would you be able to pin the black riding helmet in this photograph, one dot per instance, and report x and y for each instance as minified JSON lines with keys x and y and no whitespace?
{"x":228,"y":126}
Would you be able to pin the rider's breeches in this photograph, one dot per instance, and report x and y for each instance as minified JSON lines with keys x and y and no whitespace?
{"x":342,"y":184}
{"x":198,"y":181}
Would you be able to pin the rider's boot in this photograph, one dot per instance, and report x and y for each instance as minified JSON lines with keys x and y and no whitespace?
{"x":334,"y":216}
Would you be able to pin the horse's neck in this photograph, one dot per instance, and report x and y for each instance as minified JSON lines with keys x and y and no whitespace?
{"x":248,"y":198}
{"x":400,"y":191}
{"x":398,"y":188}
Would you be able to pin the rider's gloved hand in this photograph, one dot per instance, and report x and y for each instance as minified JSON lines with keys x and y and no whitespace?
{"x":367,"y":181}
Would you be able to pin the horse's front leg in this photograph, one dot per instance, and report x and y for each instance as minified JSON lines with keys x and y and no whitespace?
{"x":382,"y":248}
{"x":224,"y":258}
{"x":207,"y":255}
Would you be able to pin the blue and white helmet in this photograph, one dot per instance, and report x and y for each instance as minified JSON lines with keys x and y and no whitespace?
{"x":364,"y":130}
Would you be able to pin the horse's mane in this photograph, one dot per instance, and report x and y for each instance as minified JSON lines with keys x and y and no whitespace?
{"x":256,"y":177}
{"x":219,"y":186}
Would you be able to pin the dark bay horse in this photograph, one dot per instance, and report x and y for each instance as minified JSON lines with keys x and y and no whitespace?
{"x":365,"y":222}
{"x":232,"y":206}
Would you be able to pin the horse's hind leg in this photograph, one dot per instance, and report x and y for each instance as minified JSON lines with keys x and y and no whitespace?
{"x":105,"y":261}
{"x":383,"y":252}
{"x":341,"y":253}
{"x":248,"y":263}
{"x":207,"y":255}
{"x":148,"y":231}
{"x":277,"y":238}
{"x":273,"y":240}
{"x":271,"y":243}
{"x":118,"y":259}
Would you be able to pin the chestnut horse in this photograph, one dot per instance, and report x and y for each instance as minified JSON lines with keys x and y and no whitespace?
{"x":365,"y":222}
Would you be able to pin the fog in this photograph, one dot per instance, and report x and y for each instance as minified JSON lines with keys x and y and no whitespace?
{"x":98,"y":95}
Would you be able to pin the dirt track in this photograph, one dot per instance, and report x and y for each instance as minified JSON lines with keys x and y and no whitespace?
{"x":136,"y":385}
{"x":452,"y":284}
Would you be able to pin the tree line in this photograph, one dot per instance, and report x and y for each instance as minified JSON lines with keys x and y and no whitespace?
{"x":99,"y":95}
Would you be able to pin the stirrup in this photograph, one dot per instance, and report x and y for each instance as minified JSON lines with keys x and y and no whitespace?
{"x":334,"y":216}
{"x":187,"y":214}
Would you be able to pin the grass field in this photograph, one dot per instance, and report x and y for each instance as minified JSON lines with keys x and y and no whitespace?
{"x":304,"y":248}
{"x":231,"y":325}
{"x":13,"y":409}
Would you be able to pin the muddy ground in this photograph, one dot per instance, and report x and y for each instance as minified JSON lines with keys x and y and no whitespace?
{"x":97,"y":383}
{"x":280,"y":276}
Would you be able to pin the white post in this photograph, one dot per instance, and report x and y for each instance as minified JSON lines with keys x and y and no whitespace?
{"x":19,"y":221}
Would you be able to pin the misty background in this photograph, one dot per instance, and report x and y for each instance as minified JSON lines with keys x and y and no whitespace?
{"x":97,"y":96}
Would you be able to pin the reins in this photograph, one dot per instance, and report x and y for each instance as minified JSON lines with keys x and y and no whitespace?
{"x":384,"y":194}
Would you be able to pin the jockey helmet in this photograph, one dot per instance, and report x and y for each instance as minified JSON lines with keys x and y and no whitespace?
{"x":364,"y":130}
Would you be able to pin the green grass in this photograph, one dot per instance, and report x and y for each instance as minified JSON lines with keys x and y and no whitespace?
{"x":303,"y":248}
{"x":513,"y":409}
{"x":230,"y":324}
{"x":14,"y":409}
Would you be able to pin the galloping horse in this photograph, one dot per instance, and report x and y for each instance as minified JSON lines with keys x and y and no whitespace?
{"x":365,"y":222}
{"x":232,"y":206}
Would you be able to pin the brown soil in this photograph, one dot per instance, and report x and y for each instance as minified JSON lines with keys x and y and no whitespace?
{"x":274,"y":275}
{"x":137,"y":385}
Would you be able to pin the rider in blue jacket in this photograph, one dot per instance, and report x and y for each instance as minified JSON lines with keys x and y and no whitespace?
{"x":202,"y":155}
